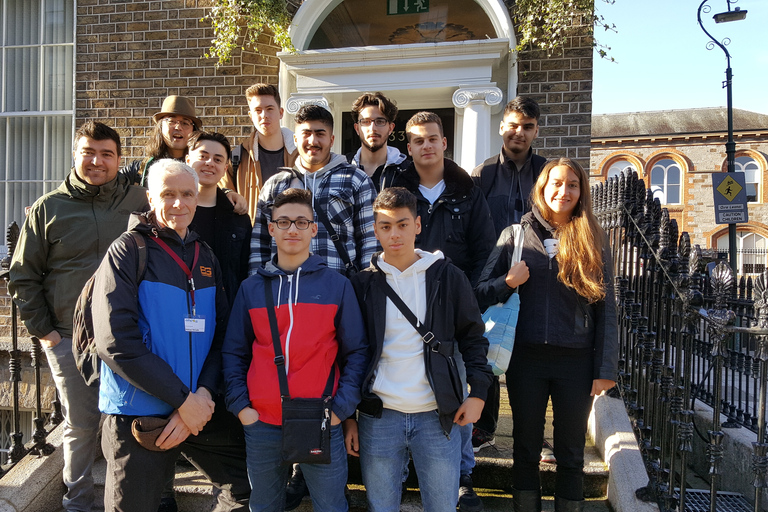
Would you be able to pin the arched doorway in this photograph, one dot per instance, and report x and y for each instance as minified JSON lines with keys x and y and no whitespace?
{"x":455,"y":57}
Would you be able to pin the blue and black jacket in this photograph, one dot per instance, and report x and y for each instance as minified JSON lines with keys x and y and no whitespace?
{"x":151,"y":363}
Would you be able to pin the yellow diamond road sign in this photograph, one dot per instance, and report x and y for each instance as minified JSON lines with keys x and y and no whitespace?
{"x":729,"y":188}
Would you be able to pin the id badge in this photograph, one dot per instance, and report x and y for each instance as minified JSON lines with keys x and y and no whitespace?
{"x":194,"y":323}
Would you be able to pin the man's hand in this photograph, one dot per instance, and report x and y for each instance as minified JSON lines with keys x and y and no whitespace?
{"x":517,"y":275}
{"x":51,"y":339}
{"x":238,"y":201}
{"x":174,"y":433}
{"x":248,"y":416}
{"x":196,"y":410}
{"x":334,"y":419}
{"x":469,"y":411}
{"x":351,"y":439}
{"x":600,"y":385}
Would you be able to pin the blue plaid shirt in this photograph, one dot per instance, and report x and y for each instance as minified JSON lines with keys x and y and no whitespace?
{"x":344,"y":192}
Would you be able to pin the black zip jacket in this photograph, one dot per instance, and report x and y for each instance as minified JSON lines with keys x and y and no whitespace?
{"x":550,"y":312}
{"x":458,"y":223}
{"x":452,"y":316}
{"x":231,"y":243}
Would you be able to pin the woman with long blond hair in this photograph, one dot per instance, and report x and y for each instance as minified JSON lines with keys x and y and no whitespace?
{"x":566,"y":340}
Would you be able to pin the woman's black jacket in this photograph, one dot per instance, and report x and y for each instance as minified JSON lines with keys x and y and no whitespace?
{"x":551,"y":313}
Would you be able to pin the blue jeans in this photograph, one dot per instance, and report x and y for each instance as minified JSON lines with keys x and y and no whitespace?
{"x":80,"y":405}
{"x":384,"y":446}
{"x":269,"y":474}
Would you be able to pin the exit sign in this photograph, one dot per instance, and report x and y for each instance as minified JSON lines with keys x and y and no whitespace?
{"x":407,"y":6}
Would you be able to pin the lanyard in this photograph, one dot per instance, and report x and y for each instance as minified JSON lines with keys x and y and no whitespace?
{"x":183,"y":266}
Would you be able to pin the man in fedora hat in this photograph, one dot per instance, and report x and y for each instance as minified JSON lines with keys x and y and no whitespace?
{"x":174,"y":124}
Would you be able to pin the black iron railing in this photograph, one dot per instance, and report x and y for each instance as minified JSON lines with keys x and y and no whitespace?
{"x":686,"y":331}
{"x":39,"y":446}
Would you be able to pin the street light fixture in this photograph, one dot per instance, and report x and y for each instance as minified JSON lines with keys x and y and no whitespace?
{"x":730,"y":146}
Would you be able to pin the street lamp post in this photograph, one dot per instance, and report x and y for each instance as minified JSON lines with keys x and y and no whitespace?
{"x":730,"y":146}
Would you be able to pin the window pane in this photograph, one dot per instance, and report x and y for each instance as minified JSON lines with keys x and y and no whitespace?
{"x":22,"y":25}
{"x":673,"y":194}
{"x":751,"y":193}
{"x":657,"y":176}
{"x":57,"y":86}
{"x":22,"y":79}
{"x":59,"y":148}
{"x":24,"y":152}
{"x":59,"y":16}
{"x":673,"y":175}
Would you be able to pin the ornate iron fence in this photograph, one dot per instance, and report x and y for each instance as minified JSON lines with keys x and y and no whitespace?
{"x":39,"y":445}
{"x":685,"y":333}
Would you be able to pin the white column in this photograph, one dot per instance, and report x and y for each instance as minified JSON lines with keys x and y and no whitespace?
{"x":477,"y":104}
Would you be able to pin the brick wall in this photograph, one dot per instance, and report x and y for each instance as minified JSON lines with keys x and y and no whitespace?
{"x":562,"y":85}
{"x":131,"y":55}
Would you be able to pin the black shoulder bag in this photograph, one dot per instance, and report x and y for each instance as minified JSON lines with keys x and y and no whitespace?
{"x":350,"y":269}
{"x":444,"y":373}
{"x":306,"y":421}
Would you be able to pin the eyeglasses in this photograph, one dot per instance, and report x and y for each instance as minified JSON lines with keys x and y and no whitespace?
{"x":301,"y":224}
{"x":178,"y":122}
{"x":379,"y":121}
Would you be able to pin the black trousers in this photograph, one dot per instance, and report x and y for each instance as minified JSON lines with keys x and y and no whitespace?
{"x":536,"y":373}
{"x":136,"y":476}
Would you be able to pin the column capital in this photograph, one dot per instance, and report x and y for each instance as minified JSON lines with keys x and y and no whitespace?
{"x":490,"y":95}
{"x":296,"y":101}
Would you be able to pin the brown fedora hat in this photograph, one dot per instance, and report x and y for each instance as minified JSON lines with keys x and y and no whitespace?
{"x":178,"y":106}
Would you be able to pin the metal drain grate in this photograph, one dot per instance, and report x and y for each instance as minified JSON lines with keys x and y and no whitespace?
{"x":697,"y":500}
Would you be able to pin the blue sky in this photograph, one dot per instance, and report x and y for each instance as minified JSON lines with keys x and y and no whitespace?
{"x":663,"y":62}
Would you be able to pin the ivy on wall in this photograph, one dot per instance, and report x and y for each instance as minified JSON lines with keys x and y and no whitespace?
{"x":541,"y":24}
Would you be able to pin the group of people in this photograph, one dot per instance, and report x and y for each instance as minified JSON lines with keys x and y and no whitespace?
{"x":360,"y":255}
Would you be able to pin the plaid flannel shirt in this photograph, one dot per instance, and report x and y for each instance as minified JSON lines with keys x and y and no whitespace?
{"x":345,"y":193}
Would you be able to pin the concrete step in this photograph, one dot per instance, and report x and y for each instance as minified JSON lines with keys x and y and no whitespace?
{"x":491,"y":476}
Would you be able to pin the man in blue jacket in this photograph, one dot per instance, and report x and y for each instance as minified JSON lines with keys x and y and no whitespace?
{"x":159,"y":337}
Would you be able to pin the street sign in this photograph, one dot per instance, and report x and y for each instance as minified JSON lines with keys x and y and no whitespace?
{"x":729,"y":189}
{"x":407,"y":6}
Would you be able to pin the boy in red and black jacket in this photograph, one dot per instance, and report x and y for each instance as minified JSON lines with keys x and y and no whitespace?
{"x":320,"y":327}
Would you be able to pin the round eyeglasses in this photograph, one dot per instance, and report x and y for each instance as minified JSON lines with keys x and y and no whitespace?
{"x":301,"y":224}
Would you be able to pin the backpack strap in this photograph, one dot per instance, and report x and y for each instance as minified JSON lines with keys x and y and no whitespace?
{"x":141,"y":247}
{"x":426,"y":335}
{"x":349,"y":267}
{"x":237,"y":152}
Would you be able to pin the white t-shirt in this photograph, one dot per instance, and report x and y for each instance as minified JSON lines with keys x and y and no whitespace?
{"x":434,"y":193}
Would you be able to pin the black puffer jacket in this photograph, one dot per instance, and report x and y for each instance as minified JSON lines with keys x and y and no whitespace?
{"x":550,"y":312}
{"x":458,"y":223}
{"x":452,"y":316}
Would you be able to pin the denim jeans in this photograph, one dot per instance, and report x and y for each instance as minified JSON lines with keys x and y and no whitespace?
{"x":269,"y":474}
{"x":467,"y":453}
{"x":80,"y":405}
{"x":384,"y":446}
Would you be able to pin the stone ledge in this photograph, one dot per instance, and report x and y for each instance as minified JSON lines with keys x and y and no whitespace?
{"x":614,"y":439}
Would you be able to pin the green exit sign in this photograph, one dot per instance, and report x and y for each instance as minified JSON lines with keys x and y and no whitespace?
{"x":407,"y":6}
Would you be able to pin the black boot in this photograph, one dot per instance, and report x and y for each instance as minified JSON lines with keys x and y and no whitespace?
{"x":564,"y":505}
{"x":526,"y":501}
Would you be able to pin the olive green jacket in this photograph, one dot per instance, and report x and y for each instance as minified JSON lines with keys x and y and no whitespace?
{"x":64,"y":238}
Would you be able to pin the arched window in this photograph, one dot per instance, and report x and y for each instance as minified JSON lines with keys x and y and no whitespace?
{"x":355,"y":23}
{"x":666,"y":177}
{"x":751,"y":170}
{"x":751,"y":251}
{"x":619,"y":166}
